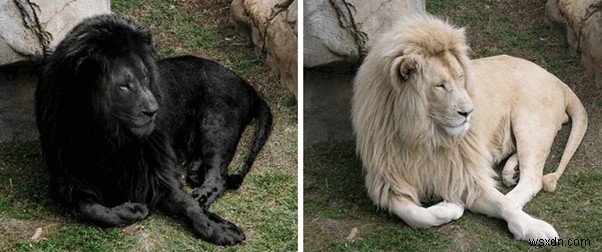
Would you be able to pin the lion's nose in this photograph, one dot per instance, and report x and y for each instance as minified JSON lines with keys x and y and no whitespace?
{"x":465,"y":113}
{"x":151,"y":109}
{"x":151,"y":106}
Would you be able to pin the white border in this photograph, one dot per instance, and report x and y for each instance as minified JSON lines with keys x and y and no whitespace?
{"x":300,"y":125}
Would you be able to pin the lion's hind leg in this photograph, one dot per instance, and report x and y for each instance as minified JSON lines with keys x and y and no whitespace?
{"x":421,"y":217}
{"x":533,"y":144}
{"x":214,"y":183}
{"x":218,"y":138}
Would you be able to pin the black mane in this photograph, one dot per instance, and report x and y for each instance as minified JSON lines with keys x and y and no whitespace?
{"x":76,"y":128}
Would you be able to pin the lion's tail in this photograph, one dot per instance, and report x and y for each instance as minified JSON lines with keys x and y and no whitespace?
{"x":578,"y":116}
{"x":263,"y":115}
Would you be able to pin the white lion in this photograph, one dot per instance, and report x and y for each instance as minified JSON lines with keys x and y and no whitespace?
{"x":430,"y":124}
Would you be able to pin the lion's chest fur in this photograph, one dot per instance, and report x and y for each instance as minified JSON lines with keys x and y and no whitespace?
{"x":447,"y":172}
{"x":136,"y":172}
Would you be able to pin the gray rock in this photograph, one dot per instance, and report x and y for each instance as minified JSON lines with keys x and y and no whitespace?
{"x":339,"y":32}
{"x":581,"y":21}
{"x":325,"y":41}
{"x":326,"y":107}
{"x":17,"y":121}
{"x":337,"y":35}
{"x":33,"y":28}
{"x":272,"y":27}
{"x":18,"y":41}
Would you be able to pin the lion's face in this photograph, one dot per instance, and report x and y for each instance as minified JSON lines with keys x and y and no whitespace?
{"x":132,"y":94}
{"x":450,"y":106}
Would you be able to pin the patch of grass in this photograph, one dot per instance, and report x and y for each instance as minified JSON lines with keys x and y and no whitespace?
{"x":265,"y":208}
{"x":80,"y":238}
{"x":335,"y":201}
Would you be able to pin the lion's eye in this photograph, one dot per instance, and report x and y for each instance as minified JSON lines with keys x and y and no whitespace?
{"x":461,"y":77}
{"x":441,"y":86}
{"x":124,"y":87}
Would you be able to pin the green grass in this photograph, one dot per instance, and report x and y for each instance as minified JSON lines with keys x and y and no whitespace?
{"x":335,"y":200}
{"x":265,"y":207}
{"x":186,"y":27}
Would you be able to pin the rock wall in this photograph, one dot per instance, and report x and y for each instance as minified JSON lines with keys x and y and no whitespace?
{"x":272,"y":27}
{"x":581,"y":22}
{"x":32,"y":29}
{"x":337,"y":35}
{"x":17,"y":120}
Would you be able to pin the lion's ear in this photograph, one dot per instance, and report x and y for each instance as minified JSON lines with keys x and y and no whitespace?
{"x":402,"y":69}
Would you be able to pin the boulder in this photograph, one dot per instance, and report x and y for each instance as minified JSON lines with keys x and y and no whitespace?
{"x":339,"y":32}
{"x":272,"y":27}
{"x":581,"y":21}
{"x":337,"y":35}
{"x":17,"y":121}
{"x":33,"y":28}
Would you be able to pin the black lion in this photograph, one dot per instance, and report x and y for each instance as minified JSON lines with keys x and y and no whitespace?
{"x":114,"y":121}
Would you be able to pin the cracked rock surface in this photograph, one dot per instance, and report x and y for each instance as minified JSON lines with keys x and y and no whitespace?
{"x":31,"y":29}
{"x":582,"y":22}
{"x":272,"y":27}
{"x":340,"y":32}
{"x":337,"y":35}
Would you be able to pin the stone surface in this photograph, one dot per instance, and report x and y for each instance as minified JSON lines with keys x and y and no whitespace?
{"x":339,"y":32}
{"x":325,"y":42}
{"x":33,"y":28}
{"x":18,"y":41}
{"x":272,"y":27}
{"x":17,"y":121}
{"x":581,"y":21}
{"x":337,"y":35}
{"x":326,"y":114}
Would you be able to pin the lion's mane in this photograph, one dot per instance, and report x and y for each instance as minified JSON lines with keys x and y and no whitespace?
{"x":81,"y":141}
{"x":404,"y":153}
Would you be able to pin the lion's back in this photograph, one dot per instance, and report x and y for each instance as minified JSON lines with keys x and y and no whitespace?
{"x":195,"y":88}
{"x":505,"y":84}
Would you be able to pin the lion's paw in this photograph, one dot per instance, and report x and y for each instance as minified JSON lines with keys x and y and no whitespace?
{"x":510,"y":173}
{"x":529,"y":228}
{"x":447,"y":211}
{"x":452,"y":211}
{"x":218,"y":230}
{"x":130,"y":212}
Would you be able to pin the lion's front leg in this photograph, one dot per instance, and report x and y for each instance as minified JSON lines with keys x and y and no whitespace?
{"x":493,"y":203}
{"x":421,"y":217}
{"x":120,"y":215}
{"x":208,"y":226}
